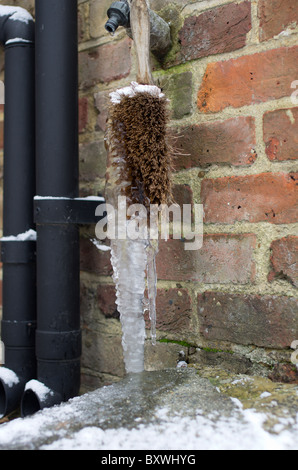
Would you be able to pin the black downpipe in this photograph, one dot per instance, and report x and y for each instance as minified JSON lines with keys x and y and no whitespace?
{"x":18,"y":257}
{"x":58,"y":336}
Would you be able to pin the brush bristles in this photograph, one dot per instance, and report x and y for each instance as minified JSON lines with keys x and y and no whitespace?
{"x":138,"y":125}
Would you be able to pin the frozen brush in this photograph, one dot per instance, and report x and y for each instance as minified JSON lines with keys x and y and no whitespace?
{"x":139,"y":168}
{"x":138,"y":123}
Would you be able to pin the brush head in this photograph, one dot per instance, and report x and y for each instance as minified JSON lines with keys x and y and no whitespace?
{"x":137,"y":135}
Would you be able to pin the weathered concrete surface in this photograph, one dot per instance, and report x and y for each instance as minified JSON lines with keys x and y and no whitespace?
{"x":174,"y":409}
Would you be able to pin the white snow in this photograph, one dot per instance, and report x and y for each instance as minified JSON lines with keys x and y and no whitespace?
{"x":243,"y":431}
{"x":15,"y":40}
{"x":99,"y":246}
{"x":38,"y":388}
{"x":199,"y":433}
{"x":133,"y":90}
{"x":38,"y":198}
{"x":30,"y":235}
{"x":8,"y":377}
{"x":17,"y":13}
{"x":91,"y":198}
{"x":184,"y":433}
{"x":181,"y":364}
{"x":265,"y":395}
{"x":87,"y":198}
{"x":237,"y":402}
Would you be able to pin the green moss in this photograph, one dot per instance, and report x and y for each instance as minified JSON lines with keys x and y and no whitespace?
{"x":189,"y":345}
{"x":171,"y":15}
{"x":181,"y":343}
{"x":213,"y":350}
{"x":178,"y":88}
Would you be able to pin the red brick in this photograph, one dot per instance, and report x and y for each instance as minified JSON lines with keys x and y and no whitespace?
{"x":265,"y":321}
{"x":222,"y":29}
{"x":182,"y":194}
{"x":102,"y":102}
{"x":286,"y":373}
{"x":93,"y":161}
{"x":284,"y":260}
{"x":224,"y":258}
{"x":281,"y":134}
{"x":105,"y":63}
{"x":276,"y":16}
{"x":106,"y":299}
{"x":248,"y":80}
{"x":173,"y":311}
{"x":83,"y":114}
{"x":229,"y":142}
{"x":94,"y":260}
{"x":269,"y":197}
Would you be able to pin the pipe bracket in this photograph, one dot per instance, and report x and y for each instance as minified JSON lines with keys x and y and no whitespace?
{"x":53,"y":346}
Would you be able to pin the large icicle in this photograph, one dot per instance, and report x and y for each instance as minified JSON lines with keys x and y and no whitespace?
{"x":129,"y":264}
{"x":137,"y":169}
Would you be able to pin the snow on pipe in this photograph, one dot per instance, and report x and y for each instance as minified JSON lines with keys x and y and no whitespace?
{"x":18,"y":245}
{"x":38,"y":396}
{"x":58,"y":335}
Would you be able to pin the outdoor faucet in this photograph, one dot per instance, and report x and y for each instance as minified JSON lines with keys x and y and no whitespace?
{"x":119,"y":15}
{"x":160,"y":33}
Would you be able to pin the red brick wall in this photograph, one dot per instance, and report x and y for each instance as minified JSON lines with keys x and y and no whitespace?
{"x":229,"y":77}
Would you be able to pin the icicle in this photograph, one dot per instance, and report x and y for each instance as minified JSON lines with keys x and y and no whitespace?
{"x":129,"y":262}
{"x":138,"y":168}
{"x":152,"y":251}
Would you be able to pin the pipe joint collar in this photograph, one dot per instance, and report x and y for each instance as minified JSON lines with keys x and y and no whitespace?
{"x":63,"y":345}
{"x":16,"y":26}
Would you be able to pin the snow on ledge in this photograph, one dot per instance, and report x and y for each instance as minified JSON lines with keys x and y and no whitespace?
{"x":133,"y":90}
{"x":87,"y":198}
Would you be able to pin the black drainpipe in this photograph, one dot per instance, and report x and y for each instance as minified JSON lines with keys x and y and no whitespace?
{"x":18,"y":257}
{"x":58,"y":336}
